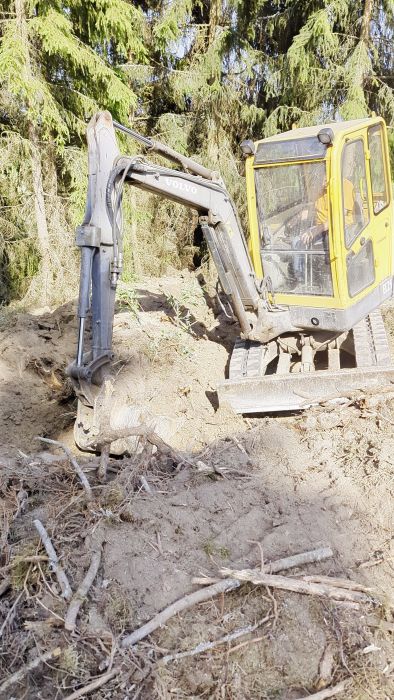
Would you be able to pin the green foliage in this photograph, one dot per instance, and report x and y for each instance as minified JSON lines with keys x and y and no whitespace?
{"x":200,"y":75}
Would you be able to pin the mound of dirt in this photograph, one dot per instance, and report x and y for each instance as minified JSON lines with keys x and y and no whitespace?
{"x":240,"y":493}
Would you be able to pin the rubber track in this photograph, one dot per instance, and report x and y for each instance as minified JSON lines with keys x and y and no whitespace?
{"x":246,"y":359}
{"x":370,"y":342}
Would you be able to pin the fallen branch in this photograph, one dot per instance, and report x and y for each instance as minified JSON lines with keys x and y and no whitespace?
{"x":184,"y":603}
{"x":103,"y":466}
{"x":327,"y":692}
{"x":296,"y":585}
{"x":5,"y":585}
{"x":216,"y":587}
{"x":53,"y":559}
{"x":11,"y":613}
{"x":83,"y":590}
{"x":108,"y":435}
{"x":19,"y":675}
{"x":31,"y":559}
{"x":102,"y":680}
{"x":97,"y":683}
{"x":206,"y":646}
{"x":313,"y":556}
{"x":77,"y":468}
{"x":340,"y":583}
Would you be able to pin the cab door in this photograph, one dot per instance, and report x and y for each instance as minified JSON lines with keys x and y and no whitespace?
{"x":366,"y":213}
{"x":380,"y":184}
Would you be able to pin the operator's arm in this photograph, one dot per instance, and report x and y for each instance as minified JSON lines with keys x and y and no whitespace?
{"x":321,"y":220}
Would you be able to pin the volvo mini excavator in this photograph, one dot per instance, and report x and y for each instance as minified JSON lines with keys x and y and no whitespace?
{"x":307,"y":287}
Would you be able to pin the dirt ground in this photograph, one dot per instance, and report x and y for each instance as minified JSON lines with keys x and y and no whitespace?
{"x":241,"y":490}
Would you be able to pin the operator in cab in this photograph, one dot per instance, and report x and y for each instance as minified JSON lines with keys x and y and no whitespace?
{"x":315,"y":237}
{"x":319,"y":231}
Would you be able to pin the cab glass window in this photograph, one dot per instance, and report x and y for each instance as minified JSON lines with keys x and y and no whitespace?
{"x":289,"y":149}
{"x":377,"y":166}
{"x":293,"y":211}
{"x":354,"y":191}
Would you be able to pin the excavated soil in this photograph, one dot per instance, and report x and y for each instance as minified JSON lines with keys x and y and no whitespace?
{"x":242,"y":490}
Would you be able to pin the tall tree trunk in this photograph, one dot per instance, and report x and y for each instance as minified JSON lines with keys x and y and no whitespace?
{"x":214,"y":19}
{"x":366,"y":21}
{"x":36,"y":166}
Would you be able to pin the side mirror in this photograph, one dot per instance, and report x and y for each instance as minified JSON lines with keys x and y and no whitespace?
{"x":248,"y":148}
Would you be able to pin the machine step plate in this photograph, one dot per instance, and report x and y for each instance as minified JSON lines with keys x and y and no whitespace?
{"x":250,"y":390}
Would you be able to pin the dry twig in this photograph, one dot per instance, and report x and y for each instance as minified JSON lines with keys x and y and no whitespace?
{"x":77,"y":468}
{"x":206,"y":646}
{"x":80,"y":595}
{"x":31,"y":559}
{"x":221,"y":586}
{"x":327,"y":692}
{"x":273,"y":567}
{"x":108,"y":436}
{"x":102,"y":680}
{"x":5,"y":585}
{"x":22,"y":672}
{"x":10,"y":614}
{"x":296,"y":585}
{"x":103,"y":466}
{"x":340,"y":583}
{"x":188,"y":601}
{"x":54,"y":561}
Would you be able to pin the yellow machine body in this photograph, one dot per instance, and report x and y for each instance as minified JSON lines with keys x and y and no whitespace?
{"x":353,"y":166}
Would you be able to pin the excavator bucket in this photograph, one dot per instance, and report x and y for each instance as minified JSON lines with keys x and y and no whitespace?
{"x":108,"y":412}
{"x":263,"y":379}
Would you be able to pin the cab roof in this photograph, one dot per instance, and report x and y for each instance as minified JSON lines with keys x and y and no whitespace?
{"x":310,"y":131}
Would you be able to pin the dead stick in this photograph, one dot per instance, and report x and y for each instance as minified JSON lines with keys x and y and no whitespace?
{"x":5,"y":585}
{"x":19,"y":675}
{"x":296,"y":585}
{"x":141,"y":431}
{"x":340,"y":583}
{"x":301,"y":559}
{"x":31,"y":559}
{"x":273,"y":567}
{"x":327,"y":692}
{"x":102,"y":680}
{"x":103,"y":466}
{"x":188,"y":601}
{"x":221,"y":586}
{"x":10,"y":613}
{"x":54,"y":561}
{"x":206,"y":646}
{"x":77,"y":468}
{"x":83,"y":590}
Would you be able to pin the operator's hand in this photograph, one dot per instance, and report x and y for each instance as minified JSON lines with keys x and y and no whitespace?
{"x":307,"y":237}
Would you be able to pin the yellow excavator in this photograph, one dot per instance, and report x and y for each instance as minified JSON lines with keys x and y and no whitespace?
{"x":306,"y":287}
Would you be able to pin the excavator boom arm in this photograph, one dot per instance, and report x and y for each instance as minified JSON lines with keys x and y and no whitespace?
{"x":100,"y":238}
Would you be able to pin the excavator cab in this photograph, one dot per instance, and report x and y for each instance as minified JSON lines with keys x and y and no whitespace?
{"x":321,"y":220}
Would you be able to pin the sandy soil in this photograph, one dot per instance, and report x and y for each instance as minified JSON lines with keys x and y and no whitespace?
{"x":290,"y":483}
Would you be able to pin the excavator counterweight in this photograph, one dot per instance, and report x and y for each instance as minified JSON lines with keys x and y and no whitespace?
{"x":307,"y":287}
